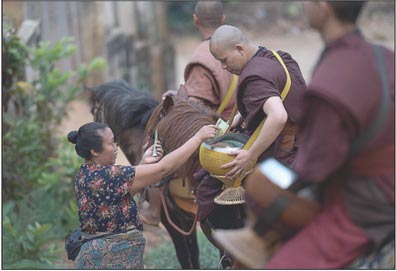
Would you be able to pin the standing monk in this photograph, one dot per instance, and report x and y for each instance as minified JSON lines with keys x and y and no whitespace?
{"x":206,"y":83}
{"x":261,"y":81}
{"x":346,"y":134}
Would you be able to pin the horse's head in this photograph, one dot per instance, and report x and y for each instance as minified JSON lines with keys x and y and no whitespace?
{"x":96,"y":102}
{"x":126,"y":111}
{"x":176,"y":121}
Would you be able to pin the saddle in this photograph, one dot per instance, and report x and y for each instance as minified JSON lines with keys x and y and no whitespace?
{"x":183,"y":194}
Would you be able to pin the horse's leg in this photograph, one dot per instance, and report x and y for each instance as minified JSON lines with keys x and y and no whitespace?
{"x":225,"y":260}
{"x":226,"y":217}
{"x":152,"y":214}
{"x":186,"y":247}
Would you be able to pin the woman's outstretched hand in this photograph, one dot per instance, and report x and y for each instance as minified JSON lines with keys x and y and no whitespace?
{"x":207,"y":131}
{"x":148,"y":157}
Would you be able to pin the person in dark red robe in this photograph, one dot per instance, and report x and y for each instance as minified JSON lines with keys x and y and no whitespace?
{"x":346,"y":149}
{"x":261,"y":81}
{"x":206,"y":83}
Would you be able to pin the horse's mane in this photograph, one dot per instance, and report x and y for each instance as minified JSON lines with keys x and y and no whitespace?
{"x":176,"y":121}
{"x":123,"y":107}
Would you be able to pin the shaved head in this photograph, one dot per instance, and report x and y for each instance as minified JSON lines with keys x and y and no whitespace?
{"x":230,"y":46}
{"x":210,"y":13}
{"x":226,"y":37}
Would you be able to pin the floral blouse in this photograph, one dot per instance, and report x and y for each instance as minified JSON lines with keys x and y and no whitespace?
{"x":103,"y":198}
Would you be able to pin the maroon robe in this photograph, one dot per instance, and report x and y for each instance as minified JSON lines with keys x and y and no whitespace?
{"x":262,"y":77}
{"x":358,"y":201}
{"x":206,"y":79}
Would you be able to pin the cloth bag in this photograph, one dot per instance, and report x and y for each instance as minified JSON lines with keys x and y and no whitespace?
{"x":73,"y":243}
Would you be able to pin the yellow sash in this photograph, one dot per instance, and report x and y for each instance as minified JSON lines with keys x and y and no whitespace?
{"x":283,"y":95}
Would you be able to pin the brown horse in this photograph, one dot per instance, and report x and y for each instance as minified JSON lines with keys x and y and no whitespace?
{"x":126,"y":111}
{"x":175,"y":121}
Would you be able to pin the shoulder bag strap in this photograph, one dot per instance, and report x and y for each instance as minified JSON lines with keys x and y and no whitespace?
{"x":283,"y":95}
{"x":230,"y":92}
{"x":103,"y":235}
{"x":381,"y":117}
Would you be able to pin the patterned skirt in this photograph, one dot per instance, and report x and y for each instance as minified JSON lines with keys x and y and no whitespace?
{"x":118,"y":251}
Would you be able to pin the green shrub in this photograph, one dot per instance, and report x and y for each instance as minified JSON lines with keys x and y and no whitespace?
{"x":28,"y":137}
{"x":57,"y":183}
{"x":47,"y":213}
{"x":23,"y":157}
{"x":23,"y":243}
{"x":13,"y":58}
{"x":39,"y":206}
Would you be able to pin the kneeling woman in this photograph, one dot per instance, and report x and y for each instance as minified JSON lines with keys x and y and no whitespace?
{"x":105,"y":195}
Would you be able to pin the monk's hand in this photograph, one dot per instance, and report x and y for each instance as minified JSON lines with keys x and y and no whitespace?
{"x":237,"y":121}
{"x":240,"y":164}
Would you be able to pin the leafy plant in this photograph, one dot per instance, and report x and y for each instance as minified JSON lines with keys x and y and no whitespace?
{"x":38,"y":168}
{"x":51,"y":205}
{"x":57,"y":183}
{"x":23,"y":155}
{"x":23,"y":244}
{"x":28,"y":132}
{"x":14,"y":56}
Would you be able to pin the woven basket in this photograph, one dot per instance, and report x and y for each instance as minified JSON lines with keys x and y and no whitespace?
{"x":231,"y":196}
{"x":213,"y":152}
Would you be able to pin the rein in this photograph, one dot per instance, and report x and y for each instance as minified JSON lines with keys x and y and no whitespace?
{"x":182,"y":232}
{"x":164,"y":203}
{"x":98,"y":111}
{"x":172,"y":113}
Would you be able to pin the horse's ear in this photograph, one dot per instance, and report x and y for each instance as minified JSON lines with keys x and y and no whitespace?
{"x":167,"y":105}
{"x":88,"y":90}
{"x":182,"y":92}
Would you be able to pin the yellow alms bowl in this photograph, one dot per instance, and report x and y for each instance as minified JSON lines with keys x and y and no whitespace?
{"x":213,"y":152}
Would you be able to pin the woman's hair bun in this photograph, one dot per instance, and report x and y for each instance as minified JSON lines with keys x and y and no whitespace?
{"x":72,"y":137}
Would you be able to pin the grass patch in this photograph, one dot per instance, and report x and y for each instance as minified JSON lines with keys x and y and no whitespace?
{"x":163,"y":256}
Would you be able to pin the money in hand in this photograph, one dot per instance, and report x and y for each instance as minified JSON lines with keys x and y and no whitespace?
{"x":223,"y":126}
